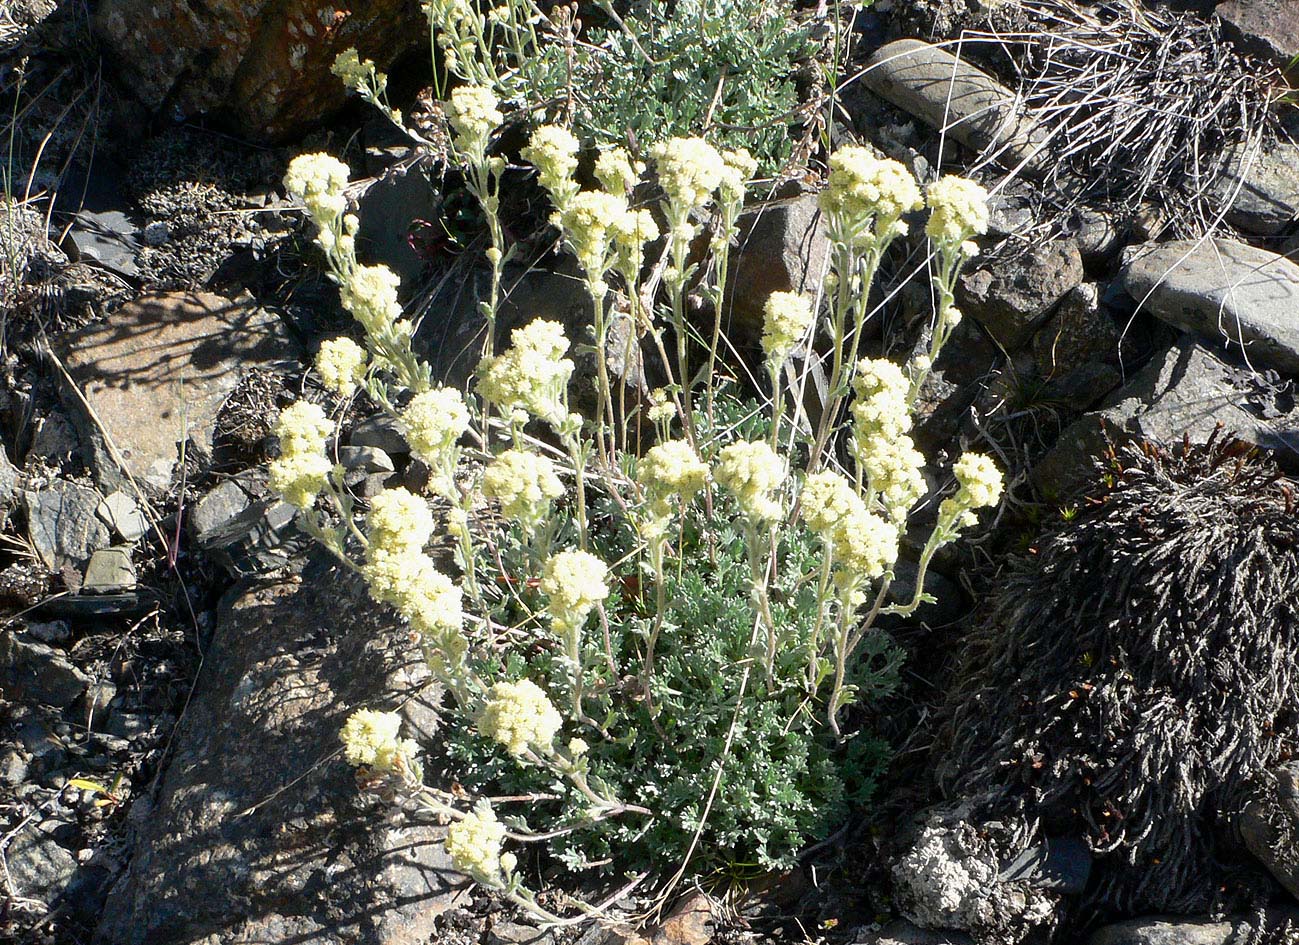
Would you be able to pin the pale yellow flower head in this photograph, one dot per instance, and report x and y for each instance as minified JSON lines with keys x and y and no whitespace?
{"x":616,"y":171}
{"x":880,"y":408}
{"x":352,"y":69}
{"x":318,"y":181}
{"x":370,"y":738}
{"x":532,"y":376}
{"x":575,"y":582}
{"x":474,"y":844}
{"x":865,"y":546}
{"x":980,"y":480}
{"x":341,"y":364}
{"x":588,"y":222}
{"x":302,"y":469}
{"x":753,"y":473}
{"x":864,"y":189}
{"x":689,"y":170}
{"x":406,"y":580}
{"x":520,"y":716}
{"x":370,"y":294}
{"x":432,"y":423}
{"x":958,"y":210}
{"x":553,"y":151}
{"x":524,"y":484}
{"x":398,"y":521}
{"x":672,"y":475}
{"x":474,"y":114}
{"x":740,"y":167}
{"x":826,"y":500}
{"x":893,"y":470}
{"x":786,"y":317}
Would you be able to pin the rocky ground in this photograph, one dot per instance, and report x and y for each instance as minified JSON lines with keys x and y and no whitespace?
{"x":167,"y":628}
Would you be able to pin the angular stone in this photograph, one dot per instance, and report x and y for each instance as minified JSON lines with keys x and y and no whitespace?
{"x":1077,"y":332}
{"x":157,"y":372}
{"x":381,"y":433}
{"x":62,"y":524}
{"x":39,"y":868}
{"x":1265,"y":28}
{"x":220,"y":505}
{"x":119,"y":512}
{"x":1176,"y":930}
{"x":1222,"y":290}
{"x":257,"y":803}
{"x":1011,"y":297}
{"x":109,"y":571}
{"x":262,"y":64}
{"x":950,"y":94}
{"x":1186,"y":390}
{"x":35,"y":672}
{"x":1269,"y":825}
{"x":1259,"y":188}
{"x":782,"y":247}
{"x":263,"y":537}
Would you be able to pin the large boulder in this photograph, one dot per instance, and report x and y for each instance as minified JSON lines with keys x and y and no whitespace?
{"x":262,"y":64}
{"x":259,"y":832}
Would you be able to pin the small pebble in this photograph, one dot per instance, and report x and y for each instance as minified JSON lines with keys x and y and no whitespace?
{"x":157,"y":233}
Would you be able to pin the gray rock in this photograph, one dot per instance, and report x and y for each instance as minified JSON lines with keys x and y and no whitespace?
{"x":62,"y":524}
{"x":1098,"y":236}
{"x":1221,"y":289}
{"x":261,"y":538}
{"x":1258,"y":188}
{"x":13,"y":767}
{"x":1011,"y":297}
{"x":948,"y":93}
{"x":386,"y":210}
{"x":9,"y":475}
{"x":1178,"y":930}
{"x":782,"y":247}
{"x":55,"y":631}
{"x":1078,"y":331}
{"x":119,"y":512}
{"x":106,"y":238}
{"x":365,"y":459}
{"x":219,"y":506}
{"x":380,"y":432}
{"x":1265,"y":28}
{"x":34,"y":672}
{"x":157,"y":374}
{"x":1269,"y":825}
{"x":39,"y":868}
{"x":156,"y":233}
{"x":1186,"y":390}
{"x":109,"y":571}
{"x":256,"y":803}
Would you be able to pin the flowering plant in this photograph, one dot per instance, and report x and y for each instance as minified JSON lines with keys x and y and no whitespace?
{"x":653,"y":646}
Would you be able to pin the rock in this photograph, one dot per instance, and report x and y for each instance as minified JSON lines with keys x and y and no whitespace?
{"x":365,"y":459}
{"x":257,"y":804}
{"x":902,"y":932}
{"x":1259,"y":188}
{"x":56,"y":631}
{"x":381,"y":433}
{"x":1268,"y":29}
{"x":108,"y":239}
{"x":1222,"y":289}
{"x":9,"y":475}
{"x":156,"y":233}
{"x":387,"y":209}
{"x":1176,"y":930}
{"x":120,"y":513}
{"x":220,"y":505}
{"x":1078,"y":331}
{"x":261,"y":538}
{"x":13,"y":767}
{"x":109,"y":571}
{"x":1010,"y":297}
{"x":1097,"y":235}
{"x":506,"y":932}
{"x":262,"y":65}
{"x":62,"y":524}
{"x":35,"y":672}
{"x":38,"y":867}
{"x":1186,"y":390}
{"x":782,"y":247}
{"x":157,"y":373}
{"x":948,"y":93}
{"x":1269,"y":825}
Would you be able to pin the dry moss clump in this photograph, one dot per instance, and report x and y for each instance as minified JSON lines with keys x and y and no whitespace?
{"x":1136,"y":671}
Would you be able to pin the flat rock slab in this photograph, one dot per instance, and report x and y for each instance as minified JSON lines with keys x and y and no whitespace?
{"x":157,"y":372}
{"x":1178,"y":930}
{"x":1265,"y":28}
{"x":260,"y":833}
{"x":1258,"y":188}
{"x":62,"y":524}
{"x":1222,"y":290}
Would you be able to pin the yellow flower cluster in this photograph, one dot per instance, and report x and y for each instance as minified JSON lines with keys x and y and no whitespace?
{"x":302,"y":468}
{"x":669,"y":471}
{"x":662,"y":408}
{"x":575,"y":581}
{"x":881,"y":446}
{"x":616,"y":171}
{"x":552,"y":150}
{"x":352,"y":69}
{"x":864,"y":546}
{"x":752,"y":472}
{"x":399,"y":521}
{"x":341,"y":364}
{"x":474,"y":114}
{"x":863,"y":188}
{"x":689,"y":170}
{"x":739,"y":168}
{"x":958,"y":210}
{"x":532,"y":376}
{"x":589,"y":222}
{"x":980,"y":480}
{"x":318,"y":180}
{"x":370,"y":294}
{"x":370,"y":738}
{"x":786,"y":319}
{"x":519,"y":716}
{"x":474,"y":844}
{"x":397,"y":572}
{"x":524,"y":483}
{"x":432,"y":423}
